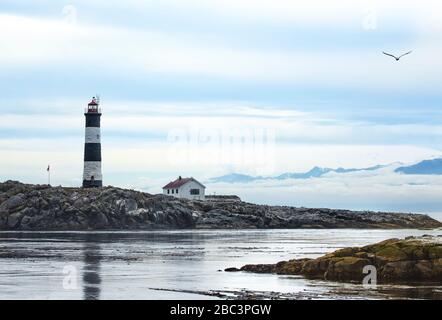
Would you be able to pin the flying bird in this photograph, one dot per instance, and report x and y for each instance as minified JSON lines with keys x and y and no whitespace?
{"x":397,"y":58}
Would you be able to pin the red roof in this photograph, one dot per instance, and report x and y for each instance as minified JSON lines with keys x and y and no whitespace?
{"x":178,"y":183}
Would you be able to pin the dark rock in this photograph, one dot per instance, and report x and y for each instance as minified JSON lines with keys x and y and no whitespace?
{"x":258,"y":268}
{"x":231,"y":270}
{"x":14,"y":202}
{"x":99,"y":220}
{"x":14,"y":219}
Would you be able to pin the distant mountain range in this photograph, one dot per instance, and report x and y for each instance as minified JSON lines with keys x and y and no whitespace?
{"x":316,"y":172}
{"x":432,"y":167}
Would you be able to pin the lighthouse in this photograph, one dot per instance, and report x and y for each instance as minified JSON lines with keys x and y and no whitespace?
{"x":92,"y":146}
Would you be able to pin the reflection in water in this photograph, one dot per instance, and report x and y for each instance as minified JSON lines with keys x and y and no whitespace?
{"x":91,"y":270}
{"x":128,"y":264}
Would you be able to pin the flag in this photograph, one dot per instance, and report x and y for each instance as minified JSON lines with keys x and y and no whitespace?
{"x":48,"y":168}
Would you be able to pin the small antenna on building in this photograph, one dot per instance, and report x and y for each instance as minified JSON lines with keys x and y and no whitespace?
{"x":97,"y":98}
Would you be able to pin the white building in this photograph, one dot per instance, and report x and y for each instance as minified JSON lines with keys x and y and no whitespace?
{"x":187,"y":188}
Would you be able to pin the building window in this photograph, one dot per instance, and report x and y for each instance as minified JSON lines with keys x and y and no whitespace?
{"x":176,"y":191}
{"x":168,"y":191}
{"x":194,"y":192}
{"x":173,"y":191}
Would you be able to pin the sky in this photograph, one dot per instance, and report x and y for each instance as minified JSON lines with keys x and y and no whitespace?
{"x":208,"y":87}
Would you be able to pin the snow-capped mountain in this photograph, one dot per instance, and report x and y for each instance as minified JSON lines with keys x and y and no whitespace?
{"x":315,"y":172}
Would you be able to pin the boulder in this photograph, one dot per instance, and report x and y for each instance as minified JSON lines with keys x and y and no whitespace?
{"x":14,"y":219}
{"x":346,"y":268}
{"x":14,"y":202}
{"x":412,"y":259}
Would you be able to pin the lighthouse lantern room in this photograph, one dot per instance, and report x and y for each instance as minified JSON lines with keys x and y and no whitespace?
{"x":92,"y":176}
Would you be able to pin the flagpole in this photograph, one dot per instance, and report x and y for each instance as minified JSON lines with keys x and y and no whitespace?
{"x":49,"y":175}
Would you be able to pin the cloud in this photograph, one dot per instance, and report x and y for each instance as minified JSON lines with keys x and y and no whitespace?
{"x":315,"y":12}
{"x":137,"y":121}
{"x":30,"y":42}
{"x":383,"y":190}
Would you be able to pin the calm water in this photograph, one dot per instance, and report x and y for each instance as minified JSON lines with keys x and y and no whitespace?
{"x":133,"y":265}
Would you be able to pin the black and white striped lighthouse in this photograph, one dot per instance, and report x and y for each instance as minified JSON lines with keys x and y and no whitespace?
{"x":92,"y":146}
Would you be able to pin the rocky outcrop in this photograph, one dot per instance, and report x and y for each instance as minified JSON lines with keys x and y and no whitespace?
{"x":222,"y":198}
{"x":41,"y":207}
{"x":413,"y":259}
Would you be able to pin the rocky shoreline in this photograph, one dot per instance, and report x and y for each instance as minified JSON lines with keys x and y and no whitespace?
{"x":409,"y":260}
{"x":42,"y":207}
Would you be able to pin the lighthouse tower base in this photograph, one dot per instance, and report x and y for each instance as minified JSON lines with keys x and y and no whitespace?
{"x":92,"y":184}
